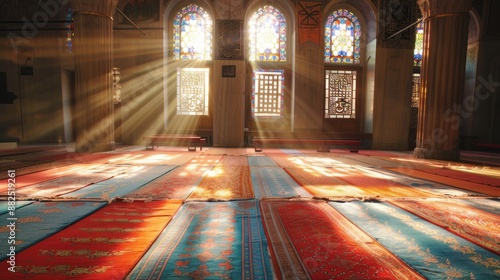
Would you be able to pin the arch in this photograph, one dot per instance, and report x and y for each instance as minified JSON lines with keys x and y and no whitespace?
{"x":267,"y":28}
{"x":191,"y":24}
{"x":342,"y":37}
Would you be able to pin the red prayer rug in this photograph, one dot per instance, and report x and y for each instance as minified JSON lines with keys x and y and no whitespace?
{"x":310,"y":240}
{"x":104,"y":245}
{"x":478,"y":226}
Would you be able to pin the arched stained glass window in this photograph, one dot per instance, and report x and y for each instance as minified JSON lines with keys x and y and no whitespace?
{"x":69,"y":30}
{"x":419,"y":45}
{"x":342,"y":37}
{"x":267,"y":35}
{"x":192,"y":34}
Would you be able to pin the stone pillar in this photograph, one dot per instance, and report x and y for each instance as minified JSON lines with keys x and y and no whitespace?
{"x":93,"y":28}
{"x":442,"y":77}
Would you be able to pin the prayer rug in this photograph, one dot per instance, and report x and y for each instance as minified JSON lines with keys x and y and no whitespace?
{"x":178,"y":183}
{"x":369,"y":161}
{"x":6,"y":206}
{"x":476,"y":187}
{"x":152,"y":158}
{"x":224,"y":183}
{"x":491,"y":205}
{"x":480,"y":170}
{"x":224,"y":151}
{"x":473,"y":224}
{"x":77,"y":157}
{"x":52,"y":188}
{"x":104,"y":245}
{"x":309,"y":240}
{"x":261,"y":161}
{"x":34,"y":168}
{"x":323,"y":183}
{"x":39,"y":220}
{"x":16,"y":165}
{"x":120,"y":185}
{"x":274,"y":182}
{"x":233,"y":160}
{"x":470,"y":177}
{"x":93,"y":173}
{"x":429,"y":249}
{"x":371,"y":181}
{"x":439,"y":190}
{"x":41,"y":176}
{"x":216,"y":240}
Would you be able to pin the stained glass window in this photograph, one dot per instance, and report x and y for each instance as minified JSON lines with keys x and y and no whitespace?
{"x":415,"y":92}
{"x":340,"y":94}
{"x":267,"y":93}
{"x":342,"y":37}
{"x":69,"y":30}
{"x":192,"y":34}
{"x":192,"y":91}
{"x":419,"y":45}
{"x":267,"y":35}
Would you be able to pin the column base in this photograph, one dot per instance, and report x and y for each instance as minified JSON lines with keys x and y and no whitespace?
{"x":437,"y":154}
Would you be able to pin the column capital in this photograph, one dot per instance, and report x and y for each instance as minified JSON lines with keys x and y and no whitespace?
{"x":95,"y":7}
{"x":434,"y":8}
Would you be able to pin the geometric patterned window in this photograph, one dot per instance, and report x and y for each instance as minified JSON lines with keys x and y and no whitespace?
{"x":192,"y":91}
{"x":415,"y":92}
{"x":192,"y":34}
{"x":342,"y":38}
{"x":267,"y":93}
{"x":419,"y":45}
{"x":267,"y":35}
{"x":340,"y":94}
{"x":69,"y":30}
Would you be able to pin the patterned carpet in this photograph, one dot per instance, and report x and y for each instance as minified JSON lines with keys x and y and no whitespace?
{"x":225,"y":213}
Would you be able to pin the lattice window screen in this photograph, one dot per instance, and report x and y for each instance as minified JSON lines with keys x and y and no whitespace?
{"x":267,"y":95}
{"x":192,"y":91}
{"x":340,"y":94}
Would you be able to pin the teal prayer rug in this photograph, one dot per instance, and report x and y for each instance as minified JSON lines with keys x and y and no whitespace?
{"x":209,"y":240}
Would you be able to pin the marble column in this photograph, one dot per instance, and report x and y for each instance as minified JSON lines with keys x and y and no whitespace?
{"x":442,"y":78}
{"x":93,"y":49}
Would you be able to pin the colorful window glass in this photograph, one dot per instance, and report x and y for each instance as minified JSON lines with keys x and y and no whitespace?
{"x":192,"y":91}
{"x":69,"y":30}
{"x":267,"y":93}
{"x":419,"y":45}
{"x":267,"y":35}
{"x":340,"y":95}
{"x":192,"y":34}
{"x":415,"y":92}
{"x":342,"y":38}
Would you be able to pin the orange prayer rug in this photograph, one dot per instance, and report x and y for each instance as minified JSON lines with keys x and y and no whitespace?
{"x":233,"y":160}
{"x":178,"y":183}
{"x":378,"y":184}
{"x":321,"y":182}
{"x":476,"y":225}
{"x":465,"y":176}
{"x":224,"y":183}
{"x":476,"y":187}
{"x":310,"y":240}
{"x":104,"y":245}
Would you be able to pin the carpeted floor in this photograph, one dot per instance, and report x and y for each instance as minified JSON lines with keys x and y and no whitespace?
{"x":225,"y":213}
